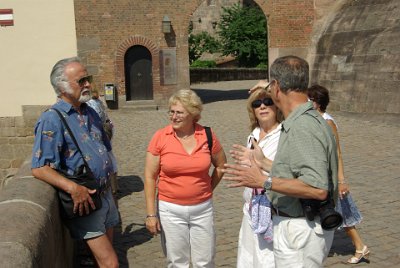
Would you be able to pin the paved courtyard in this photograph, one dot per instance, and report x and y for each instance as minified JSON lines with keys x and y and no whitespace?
{"x":371,"y":153}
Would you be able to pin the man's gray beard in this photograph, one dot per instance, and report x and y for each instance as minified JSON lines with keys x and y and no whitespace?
{"x":84,"y":98}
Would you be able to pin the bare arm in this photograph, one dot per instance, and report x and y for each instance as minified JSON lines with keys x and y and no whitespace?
{"x":152,"y":168}
{"x":343,"y":186}
{"x":254,"y":178}
{"x":218,"y":160}
{"x":79,"y":194}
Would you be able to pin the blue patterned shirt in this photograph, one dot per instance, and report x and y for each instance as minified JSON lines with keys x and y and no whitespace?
{"x":53,"y":145}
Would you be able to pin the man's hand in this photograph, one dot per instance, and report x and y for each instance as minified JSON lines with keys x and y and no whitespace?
{"x":82,"y":199}
{"x":242,"y":154}
{"x":249,"y":176}
{"x":260,"y":84}
{"x":80,"y":195}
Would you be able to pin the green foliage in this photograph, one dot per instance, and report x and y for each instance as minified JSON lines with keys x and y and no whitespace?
{"x":243,"y":34}
{"x":200,"y":43}
{"x":203,"y":64}
{"x":262,"y":66}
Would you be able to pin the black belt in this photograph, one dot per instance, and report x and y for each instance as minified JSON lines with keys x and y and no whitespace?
{"x":278,"y":212}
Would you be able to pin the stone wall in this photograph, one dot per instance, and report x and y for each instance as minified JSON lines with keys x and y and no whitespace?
{"x":220,"y":74}
{"x":357,"y":57}
{"x":16,"y":139}
{"x":31,"y":233}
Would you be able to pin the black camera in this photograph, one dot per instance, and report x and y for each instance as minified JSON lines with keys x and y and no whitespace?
{"x":330,"y":219}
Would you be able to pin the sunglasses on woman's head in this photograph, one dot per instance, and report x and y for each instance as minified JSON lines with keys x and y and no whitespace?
{"x":266,"y":101}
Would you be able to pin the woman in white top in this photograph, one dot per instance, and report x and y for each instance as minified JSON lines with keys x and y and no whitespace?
{"x":255,"y":250}
{"x":345,"y":205}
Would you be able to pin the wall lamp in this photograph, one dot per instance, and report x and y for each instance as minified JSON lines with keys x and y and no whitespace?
{"x":166,"y":25}
{"x":214,"y":24}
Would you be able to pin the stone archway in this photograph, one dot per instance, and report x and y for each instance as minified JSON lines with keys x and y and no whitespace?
{"x":120,"y":61}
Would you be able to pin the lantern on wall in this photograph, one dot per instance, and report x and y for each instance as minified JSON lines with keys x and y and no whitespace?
{"x":166,"y":25}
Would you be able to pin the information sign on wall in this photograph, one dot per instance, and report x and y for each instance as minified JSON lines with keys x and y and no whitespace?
{"x":168,"y":66}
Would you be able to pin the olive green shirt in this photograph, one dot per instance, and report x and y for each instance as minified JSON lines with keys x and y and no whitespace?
{"x":306,"y":151}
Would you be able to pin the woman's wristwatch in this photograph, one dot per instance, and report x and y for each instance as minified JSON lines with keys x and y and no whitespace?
{"x":268,"y":183}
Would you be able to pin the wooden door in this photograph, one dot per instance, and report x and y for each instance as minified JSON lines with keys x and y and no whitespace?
{"x":138,"y":74}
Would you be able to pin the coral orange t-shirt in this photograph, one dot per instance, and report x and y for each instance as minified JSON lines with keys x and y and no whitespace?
{"x":183,"y":177}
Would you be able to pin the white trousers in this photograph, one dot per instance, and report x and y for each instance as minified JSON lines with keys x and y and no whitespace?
{"x":188,"y":232}
{"x":253,"y":250}
{"x":300,"y":243}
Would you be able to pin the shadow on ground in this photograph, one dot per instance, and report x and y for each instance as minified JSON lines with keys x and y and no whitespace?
{"x":343,"y":246}
{"x":212,"y":95}
{"x":135,"y":233}
{"x":129,"y":184}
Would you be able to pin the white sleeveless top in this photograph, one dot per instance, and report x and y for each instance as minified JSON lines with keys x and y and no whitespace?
{"x":327,"y":116}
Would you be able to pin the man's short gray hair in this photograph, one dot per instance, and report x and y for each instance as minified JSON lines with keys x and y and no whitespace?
{"x":57,"y":76}
{"x":291,"y":72}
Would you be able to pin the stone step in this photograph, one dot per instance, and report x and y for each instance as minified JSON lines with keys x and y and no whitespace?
{"x":140,"y":105}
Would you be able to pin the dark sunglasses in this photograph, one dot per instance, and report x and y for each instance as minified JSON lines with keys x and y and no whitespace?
{"x":85,"y":79}
{"x":266,"y":101}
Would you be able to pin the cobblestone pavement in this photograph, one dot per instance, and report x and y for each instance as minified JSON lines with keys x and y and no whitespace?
{"x":371,"y":156}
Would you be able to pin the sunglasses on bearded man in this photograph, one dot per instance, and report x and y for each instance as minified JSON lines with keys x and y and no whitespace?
{"x":82,"y":81}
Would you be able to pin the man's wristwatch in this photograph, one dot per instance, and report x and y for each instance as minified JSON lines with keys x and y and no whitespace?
{"x":268,"y":183}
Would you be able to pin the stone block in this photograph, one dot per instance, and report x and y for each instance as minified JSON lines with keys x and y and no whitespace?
{"x":5,"y":163}
{"x":30,"y":225}
{"x":19,"y":121}
{"x":6,"y":151}
{"x":4,"y":140}
{"x":88,"y":44}
{"x":9,"y":251}
{"x":33,"y":111}
{"x":7,"y":122}
{"x":17,"y":140}
{"x":23,"y":131}
{"x":30,"y":123}
{"x":22,"y":150}
{"x":16,"y":163}
{"x":8,"y":132}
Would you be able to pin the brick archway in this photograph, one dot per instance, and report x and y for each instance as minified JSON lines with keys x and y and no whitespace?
{"x":121,"y":51}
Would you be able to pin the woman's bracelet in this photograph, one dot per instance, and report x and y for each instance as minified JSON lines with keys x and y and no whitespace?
{"x":151,"y":216}
{"x":342,"y":182}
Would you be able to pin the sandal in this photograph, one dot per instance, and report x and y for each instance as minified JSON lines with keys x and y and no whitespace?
{"x":363,"y":254}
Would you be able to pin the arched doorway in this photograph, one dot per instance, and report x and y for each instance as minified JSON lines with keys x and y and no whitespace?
{"x":138,"y":74}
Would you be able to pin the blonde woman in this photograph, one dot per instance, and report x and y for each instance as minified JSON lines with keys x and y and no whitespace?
{"x":177,"y":161}
{"x":256,"y":249}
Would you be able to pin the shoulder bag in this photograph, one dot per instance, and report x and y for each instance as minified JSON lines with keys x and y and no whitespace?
{"x":83,"y":176}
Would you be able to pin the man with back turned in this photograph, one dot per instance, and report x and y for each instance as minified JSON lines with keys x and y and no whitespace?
{"x":304,"y":168}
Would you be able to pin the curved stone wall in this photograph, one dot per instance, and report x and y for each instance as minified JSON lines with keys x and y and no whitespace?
{"x":358,"y":57}
{"x":31,"y":233}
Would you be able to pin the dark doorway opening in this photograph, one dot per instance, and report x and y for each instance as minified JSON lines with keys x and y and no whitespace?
{"x":138,"y":74}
